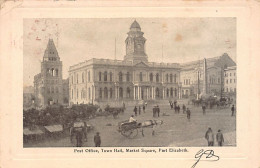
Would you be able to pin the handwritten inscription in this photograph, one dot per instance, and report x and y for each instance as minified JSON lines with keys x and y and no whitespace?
{"x":208,"y":155}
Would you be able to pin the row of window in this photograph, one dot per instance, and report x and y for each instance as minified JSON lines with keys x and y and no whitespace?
{"x":82,"y":78}
{"x":52,"y":90}
{"x":230,"y":74}
{"x":52,"y":72}
{"x":231,"y":90}
{"x":230,"y":81}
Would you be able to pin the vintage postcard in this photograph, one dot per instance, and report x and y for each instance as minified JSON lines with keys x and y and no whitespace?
{"x":91,"y":82}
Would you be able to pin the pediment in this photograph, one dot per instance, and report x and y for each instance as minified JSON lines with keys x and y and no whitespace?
{"x":141,"y":65}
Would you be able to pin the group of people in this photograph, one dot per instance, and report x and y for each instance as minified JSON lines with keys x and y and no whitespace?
{"x":79,"y":130}
{"x":209,"y":136}
{"x":139,"y":109}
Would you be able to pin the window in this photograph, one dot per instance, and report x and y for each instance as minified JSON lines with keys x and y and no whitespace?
{"x":234,"y":80}
{"x":171,"y":92}
{"x":105,"y":76}
{"x":230,"y":74}
{"x":167,"y":92}
{"x":171,"y":78}
{"x":57,"y":72}
{"x":230,"y":80}
{"x":227,"y":81}
{"x":157,"y":77}
{"x":167,"y":77}
{"x":175,"y":92}
{"x":120,"y":77}
{"x":111,"y":92}
{"x":72,"y":79}
{"x":57,"y":90}
{"x":121,"y":92}
{"x":175,"y":78}
{"x":111,"y":76}
{"x":99,"y":75}
{"x":89,"y":76}
{"x":77,"y":78}
{"x":151,"y":77}
{"x":105,"y":93}
{"x":141,"y":76}
{"x":128,"y":92}
{"x":82,"y":77}
{"x":127,"y":77}
{"x":100,"y":93}
{"x":89,"y":93}
{"x":234,"y":74}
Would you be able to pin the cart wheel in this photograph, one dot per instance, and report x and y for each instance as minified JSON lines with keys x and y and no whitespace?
{"x":130,"y":133}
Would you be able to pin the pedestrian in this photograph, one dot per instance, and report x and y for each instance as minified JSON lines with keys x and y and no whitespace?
{"x":178,"y":109}
{"x":79,"y":136}
{"x":154,"y":111}
{"x":210,"y":137}
{"x":233,"y":110}
{"x":85,"y":130}
{"x":184,"y":108}
{"x":139,"y":110}
{"x":97,"y":140}
{"x":135,"y":110}
{"x":188,"y":113}
{"x":143,"y":108}
{"x":220,"y":138}
{"x":158,"y":110}
{"x":204,"y":109}
{"x":171,"y":105}
{"x":154,"y":127}
{"x":71,"y":133}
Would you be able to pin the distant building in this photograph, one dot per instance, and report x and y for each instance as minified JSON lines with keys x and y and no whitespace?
{"x":49,"y":87}
{"x":135,"y":78}
{"x":230,"y":81}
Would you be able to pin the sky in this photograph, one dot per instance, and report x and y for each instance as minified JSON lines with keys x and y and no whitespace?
{"x":169,"y":40}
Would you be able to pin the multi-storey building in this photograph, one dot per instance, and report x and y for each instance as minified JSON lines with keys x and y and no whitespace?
{"x":49,"y":85}
{"x":135,"y":78}
{"x":230,"y":80}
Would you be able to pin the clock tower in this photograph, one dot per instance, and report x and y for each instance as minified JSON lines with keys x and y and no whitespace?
{"x":135,"y":44}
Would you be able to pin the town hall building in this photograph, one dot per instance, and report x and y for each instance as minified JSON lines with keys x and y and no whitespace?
{"x":135,"y":78}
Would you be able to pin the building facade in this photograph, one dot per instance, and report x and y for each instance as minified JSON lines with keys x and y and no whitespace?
{"x":49,"y":87}
{"x":135,"y":78}
{"x":230,"y":81}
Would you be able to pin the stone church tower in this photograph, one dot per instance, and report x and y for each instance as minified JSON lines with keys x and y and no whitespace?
{"x":48,"y":84}
{"x":135,"y":44}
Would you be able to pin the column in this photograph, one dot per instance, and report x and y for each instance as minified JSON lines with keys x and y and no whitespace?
{"x":134,"y":93}
{"x":115,"y":92}
{"x":163,"y":92}
{"x":147,"y":91}
{"x":138,"y":92}
{"x":152,"y":92}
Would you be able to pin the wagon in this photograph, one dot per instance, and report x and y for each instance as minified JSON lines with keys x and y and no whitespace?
{"x":130,"y":129}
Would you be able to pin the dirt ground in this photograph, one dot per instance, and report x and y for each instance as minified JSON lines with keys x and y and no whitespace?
{"x":176,"y":129}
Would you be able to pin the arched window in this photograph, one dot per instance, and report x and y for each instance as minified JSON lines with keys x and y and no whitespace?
{"x":175,"y":78}
{"x":105,"y":93}
{"x":52,"y":72}
{"x":120,"y":92}
{"x":105,"y":76}
{"x":100,"y":93}
{"x":171,"y":92}
{"x":57,"y":72}
{"x":167,"y":92}
{"x":151,"y":77}
{"x":127,"y":77}
{"x":48,"y":72}
{"x":99,"y":76}
{"x":111,"y":92}
{"x":72,"y":79}
{"x":157,"y":77}
{"x":128,"y":92}
{"x":141,"y":76}
{"x":77,"y":78}
{"x":175,"y":92}
{"x":167,"y":78}
{"x":157,"y":92}
{"x":120,"y":77}
{"x":111,"y":76}
{"x":171,"y":78}
{"x":82,"y":77}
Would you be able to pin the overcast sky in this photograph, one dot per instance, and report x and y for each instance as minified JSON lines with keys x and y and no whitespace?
{"x":77,"y":40}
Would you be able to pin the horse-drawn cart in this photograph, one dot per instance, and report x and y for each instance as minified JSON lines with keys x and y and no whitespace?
{"x":130,"y":129}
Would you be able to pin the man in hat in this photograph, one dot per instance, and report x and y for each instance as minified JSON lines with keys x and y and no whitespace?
{"x":220,"y":138}
{"x":97,"y":140}
{"x":210,"y":137}
{"x":135,"y":110}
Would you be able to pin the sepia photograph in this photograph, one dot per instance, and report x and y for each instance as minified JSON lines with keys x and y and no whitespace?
{"x":129,"y":82}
